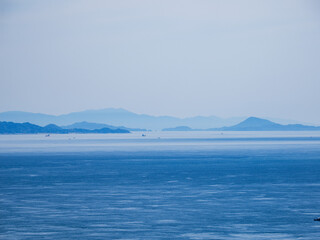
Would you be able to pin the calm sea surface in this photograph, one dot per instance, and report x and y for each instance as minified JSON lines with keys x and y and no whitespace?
{"x":192,"y":185}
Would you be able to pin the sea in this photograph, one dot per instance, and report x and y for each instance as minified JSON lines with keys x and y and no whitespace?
{"x":160,"y":185}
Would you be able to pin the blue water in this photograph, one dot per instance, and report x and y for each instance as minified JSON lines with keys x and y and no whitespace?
{"x":265,"y":191}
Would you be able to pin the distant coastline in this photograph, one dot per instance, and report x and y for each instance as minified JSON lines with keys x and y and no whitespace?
{"x":28,"y":128}
{"x":252,"y":124}
{"x":114,"y":118}
{"x":117,"y":120}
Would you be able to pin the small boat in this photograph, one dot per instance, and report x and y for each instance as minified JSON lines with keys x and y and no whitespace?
{"x":316,"y":219}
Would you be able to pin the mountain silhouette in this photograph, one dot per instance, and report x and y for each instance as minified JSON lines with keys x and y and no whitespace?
{"x":259,"y":124}
{"x":118,"y":117}
{"x":252,"y":124}
{"x":28,"y":128}
{"x":92,"y":126}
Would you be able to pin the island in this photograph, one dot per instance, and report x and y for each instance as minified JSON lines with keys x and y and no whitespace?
{"x":28,"y":128}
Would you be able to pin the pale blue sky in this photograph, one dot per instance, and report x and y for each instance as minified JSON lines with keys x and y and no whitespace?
{"x":180,"y":58}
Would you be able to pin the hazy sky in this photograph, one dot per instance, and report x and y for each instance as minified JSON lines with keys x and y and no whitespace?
{"x":180,"y":58}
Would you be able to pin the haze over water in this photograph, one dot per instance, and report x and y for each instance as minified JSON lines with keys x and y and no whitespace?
{"x":189,"y":185}
{"x":209,"y":64}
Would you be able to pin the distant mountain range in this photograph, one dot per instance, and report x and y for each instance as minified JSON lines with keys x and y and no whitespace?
{"x":115,"y":118}
{"x":93,"y":126}
{"x":28,"y":128}
{"x":118,"y":117}
{"x":258,"y":124}
{"x":252,"y":124}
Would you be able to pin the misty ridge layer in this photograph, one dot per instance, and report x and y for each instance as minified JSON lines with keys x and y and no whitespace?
{"x":252,"y":124}
{"x":118,"y":117}
{"x":93,"y":126}
{"x":258,"y":124}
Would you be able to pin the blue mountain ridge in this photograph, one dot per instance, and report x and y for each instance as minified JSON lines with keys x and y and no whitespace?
{"x":253,"y":124}
{"x":118,"y":117}
{"x":92,"y":126}
{"x":114,"y":118}
{"x":28,"y":128}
